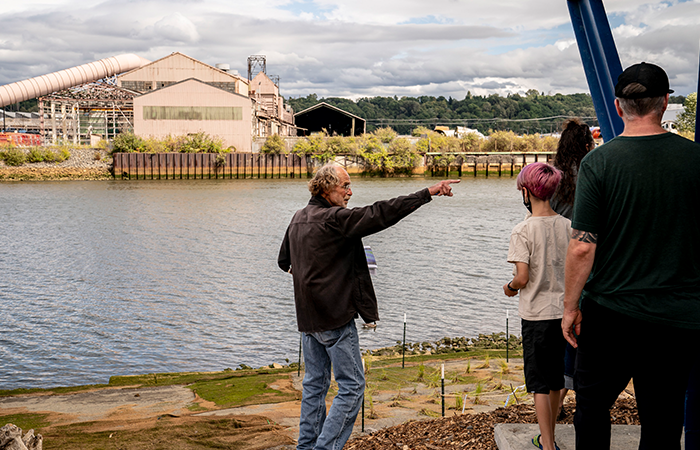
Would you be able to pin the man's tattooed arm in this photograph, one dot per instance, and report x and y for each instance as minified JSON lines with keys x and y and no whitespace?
{"x":584,"y":236}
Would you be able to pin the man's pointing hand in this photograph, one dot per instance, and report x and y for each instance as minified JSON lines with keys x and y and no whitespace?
{"x":443,"y":188}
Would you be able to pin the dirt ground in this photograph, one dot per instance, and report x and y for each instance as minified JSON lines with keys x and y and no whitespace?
{"x":162,"y":417}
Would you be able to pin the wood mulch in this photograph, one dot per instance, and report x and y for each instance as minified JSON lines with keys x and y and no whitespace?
{"x":471,"y":431}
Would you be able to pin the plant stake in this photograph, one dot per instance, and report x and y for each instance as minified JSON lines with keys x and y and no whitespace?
{"x":442,"y":376}
{"x":403,"y":347}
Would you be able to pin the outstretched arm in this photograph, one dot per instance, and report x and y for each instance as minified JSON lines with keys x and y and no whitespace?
{"x":443,"y":188}
{"x":579,"y":262}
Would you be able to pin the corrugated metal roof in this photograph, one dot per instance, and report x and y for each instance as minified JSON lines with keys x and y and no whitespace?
{"x":324,"y":104}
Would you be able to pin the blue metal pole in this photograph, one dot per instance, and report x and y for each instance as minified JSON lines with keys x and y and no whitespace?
{"x":601,"y":62}
{"x":697,"y":110}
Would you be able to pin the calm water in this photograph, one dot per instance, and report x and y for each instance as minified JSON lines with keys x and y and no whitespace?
{"x":132,"y":277}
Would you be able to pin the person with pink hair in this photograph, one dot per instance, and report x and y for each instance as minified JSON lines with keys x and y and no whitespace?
{"x":538,"y":250}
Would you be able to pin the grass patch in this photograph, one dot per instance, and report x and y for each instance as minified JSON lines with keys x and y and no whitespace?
{"x":239,"y":391}
{"x":26,"y":421}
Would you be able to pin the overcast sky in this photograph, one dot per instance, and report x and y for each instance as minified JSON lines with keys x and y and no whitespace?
{"x":358,"y":48}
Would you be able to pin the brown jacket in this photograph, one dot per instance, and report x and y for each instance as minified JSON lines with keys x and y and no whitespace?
{"x":323,"y":247}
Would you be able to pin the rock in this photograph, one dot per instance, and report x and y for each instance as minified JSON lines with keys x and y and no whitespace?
{"x":8,"y":433}
{"x":11,"y":439}
{"x":33,"y":442}
{"x":276,"y":366}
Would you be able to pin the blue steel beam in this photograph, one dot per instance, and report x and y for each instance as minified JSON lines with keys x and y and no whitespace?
{"x":601,"y":63}
{"x":697,"y":110}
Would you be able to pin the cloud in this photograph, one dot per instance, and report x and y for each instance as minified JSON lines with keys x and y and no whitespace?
{"x":358,"y":48}
{"x":178,"y":28}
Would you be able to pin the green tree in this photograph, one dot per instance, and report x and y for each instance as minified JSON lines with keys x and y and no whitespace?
{"x":686,"y":120}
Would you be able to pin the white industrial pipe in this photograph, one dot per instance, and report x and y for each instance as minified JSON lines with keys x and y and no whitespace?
{"x":57,"y":81}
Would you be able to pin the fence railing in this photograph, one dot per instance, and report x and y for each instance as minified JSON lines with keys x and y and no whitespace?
{"x":459,"y":163}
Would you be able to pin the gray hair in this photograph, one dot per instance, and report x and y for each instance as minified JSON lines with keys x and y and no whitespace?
{"x":639,"y":107}
{"x":325,"y":179}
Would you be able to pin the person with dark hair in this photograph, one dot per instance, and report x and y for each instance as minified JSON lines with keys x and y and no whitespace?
{"x":575,"y":142}
{"x":632,"y":270}
{"x":538,"y":250}
{"x":322,"y":249}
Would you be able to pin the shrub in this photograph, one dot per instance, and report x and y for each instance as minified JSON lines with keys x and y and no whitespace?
{"x":127,"y":143}
{"x":103,"y":144}
{"x":201,"y":143}
{"x":152,"y":145}
{"x":470,"y":142}
{"x":436,"y":142}
{"x":14,"y":157}
{"x":273,"y":145}
{"x":310,"y":145}
{"x":686,"y":120}
{"x":420,"y":131}
{"x":62,"y":155}
{"x":36,"y":155}
{"x":370,"y":148}
{"x":385,"y":135}
{"x":402,"y":157}
{"x":500,"y":141}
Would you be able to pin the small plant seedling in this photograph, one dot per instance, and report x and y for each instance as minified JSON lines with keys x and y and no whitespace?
{"x":371,"y":414}
{"x":486,"y":364}
{"x":459,"y":403}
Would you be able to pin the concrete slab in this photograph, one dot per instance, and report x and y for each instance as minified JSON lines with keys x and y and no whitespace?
{"x":517,"y":436}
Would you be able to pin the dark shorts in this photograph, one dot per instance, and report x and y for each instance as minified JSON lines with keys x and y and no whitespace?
{"x":543,"y":353}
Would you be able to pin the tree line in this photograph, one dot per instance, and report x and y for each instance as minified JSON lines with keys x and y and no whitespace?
{"x":533,"y":112}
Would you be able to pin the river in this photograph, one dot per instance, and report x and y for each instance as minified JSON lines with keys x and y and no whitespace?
{"x":131,"y":277}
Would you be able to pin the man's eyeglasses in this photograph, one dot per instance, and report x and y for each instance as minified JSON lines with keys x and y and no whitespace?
{"x":346,"y":187}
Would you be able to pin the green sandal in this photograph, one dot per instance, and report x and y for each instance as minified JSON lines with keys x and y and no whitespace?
{"x":536,"y":442}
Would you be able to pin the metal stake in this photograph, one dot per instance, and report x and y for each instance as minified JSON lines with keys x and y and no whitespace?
{"x":299,"y":366}
{"x":443,"y":390}
{"x":403,"y":347}
{"x":507,"y":340}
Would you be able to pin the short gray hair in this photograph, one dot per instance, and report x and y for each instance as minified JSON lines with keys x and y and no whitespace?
{"x":325,"y":179}
{"x":638,"y":107}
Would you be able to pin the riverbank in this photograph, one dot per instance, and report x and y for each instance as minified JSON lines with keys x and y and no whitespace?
{"x":83,"y":164}
{"x":96,"y":164}
{"x":259,"y":409}
{"x":255,"y":409}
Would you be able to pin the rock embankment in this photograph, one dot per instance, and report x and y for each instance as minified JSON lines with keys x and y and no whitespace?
{"x":83,"y":164}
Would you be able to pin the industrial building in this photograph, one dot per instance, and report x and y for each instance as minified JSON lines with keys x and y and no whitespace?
{"x":174,"y":95}
{"x":273,"y":116}
{"x":193,"y":106}
{"x":334,"y":121}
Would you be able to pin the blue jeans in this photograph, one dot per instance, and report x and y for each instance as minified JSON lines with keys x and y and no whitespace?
{"x":341,"y":348}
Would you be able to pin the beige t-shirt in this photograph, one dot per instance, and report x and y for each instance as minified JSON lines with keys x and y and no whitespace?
{"x":541,"y":242}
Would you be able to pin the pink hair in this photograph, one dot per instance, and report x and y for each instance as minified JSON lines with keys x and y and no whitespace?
{"x":539,"y":179}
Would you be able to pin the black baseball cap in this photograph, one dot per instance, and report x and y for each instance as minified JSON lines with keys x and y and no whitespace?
{"x":651,"y":76}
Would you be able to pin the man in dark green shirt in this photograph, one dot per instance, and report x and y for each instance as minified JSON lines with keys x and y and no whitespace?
{"x":633,"y":263}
